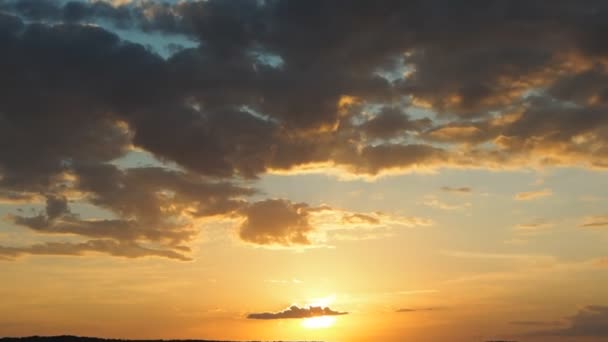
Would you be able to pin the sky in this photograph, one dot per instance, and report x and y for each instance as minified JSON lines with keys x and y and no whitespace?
{"x":304,"y":170}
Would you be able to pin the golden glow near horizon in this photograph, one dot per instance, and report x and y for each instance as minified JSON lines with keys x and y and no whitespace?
{"x":321,"y":322}
{"x":446,"y":274}
{"x":382,"y":171}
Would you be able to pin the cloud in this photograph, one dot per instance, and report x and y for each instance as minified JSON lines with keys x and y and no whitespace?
{"x":535,"y":323}
{"x":595,"y":222}
{"x":276,"y":222}
{"x":152,"y":205}
{"x":587,"y":322}
{"x":532,"y":195}
{"x":392,"y":122}
{"x":297,"y":312}
{"x":284,"y":223}
{"x":105,"y":246}
{"x":533,"y":227}
{"x":431,"y":201}
{"x":463,"y":189}
{"x":401,"y":91}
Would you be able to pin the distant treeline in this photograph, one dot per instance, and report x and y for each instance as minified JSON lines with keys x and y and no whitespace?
{"x":67,"y":338}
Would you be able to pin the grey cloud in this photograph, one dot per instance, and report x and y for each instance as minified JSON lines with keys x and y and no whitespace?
{"x":532,"y":195}
{"x":280,"y":222}
{"x":463,"y":189}
{"x":151,"y":205}
{"x":374,"y":159}
{"x":276,"y":222}
{"x":587,"y":322}
{"x":297,"y":312}
{"x":301,"y":95}
{"x":502,"y":85}
{"x":587,"y":88}
{"x":391,"y":122}
{"x":535,"y":323}
{"x":360,"y":218}
{"x":111,"y":247}
{"x":595,"y":222}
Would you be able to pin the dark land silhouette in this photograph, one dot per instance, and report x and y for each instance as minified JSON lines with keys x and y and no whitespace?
{"x":69,"y":338}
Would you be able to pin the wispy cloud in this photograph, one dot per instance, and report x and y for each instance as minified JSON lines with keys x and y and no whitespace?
{"x":536,"y":323}
{"x":532,"y":228}
{"x":532,"y":195}
{"x":433,"y":202}
{"x":295,"y":312}
{"x":595,"y":222}
{"x":457,"y":190}
{"x":590,"y":321}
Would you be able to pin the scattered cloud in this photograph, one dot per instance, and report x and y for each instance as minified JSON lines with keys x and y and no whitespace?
{"x":283,"y":223}
{"x":458,"y":190}
{"x":536,"y":323}
{"x":589,"y":321}
{"x":534,"y":227}
{"x":251,"y":102}
{"x":276,"y":222}
{"x":524,"y":231}
{"x":532,"y":195}
{"x":595,"y":222}
{"x":105,"y":246}
{"x":297,"y":312}
{"x":152,"y":206}
{"x":433,"y":202}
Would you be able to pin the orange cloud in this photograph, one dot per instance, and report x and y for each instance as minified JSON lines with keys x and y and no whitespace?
{"x":532,"y":195}
{"x":295,"y":312}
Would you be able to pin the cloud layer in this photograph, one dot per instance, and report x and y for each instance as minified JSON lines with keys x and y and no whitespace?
{"x":296,"y":312}
{"x":587,"y":322}
{"x":362,"y":88}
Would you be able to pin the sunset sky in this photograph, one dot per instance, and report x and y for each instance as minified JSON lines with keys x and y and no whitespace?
{"x":418,"y":171}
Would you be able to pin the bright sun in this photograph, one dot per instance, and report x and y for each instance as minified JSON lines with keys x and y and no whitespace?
{"x":320,"y":322}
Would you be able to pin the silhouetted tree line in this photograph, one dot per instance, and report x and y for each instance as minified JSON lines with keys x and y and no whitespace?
{"x":67,"y":338}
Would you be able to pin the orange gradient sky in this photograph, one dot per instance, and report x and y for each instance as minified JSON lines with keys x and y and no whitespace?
{"x":304,"y":170}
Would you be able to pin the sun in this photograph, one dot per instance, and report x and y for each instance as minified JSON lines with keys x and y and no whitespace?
{"x":320,"y":322}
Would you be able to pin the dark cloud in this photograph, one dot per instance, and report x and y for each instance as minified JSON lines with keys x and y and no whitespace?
{"x":111,"y":247}
{"x":300,"y":99}
{"x":276,"y":222}
{"x":595,"y":222}
{"x":365,"y":87}
{"x":280,"y":222}
{"x":535,"y":323}
{"x":360,"y":218}
{"x":152,"y":205}
{"x":463,"y":189}
{"x":297,"y":312}
{"x":588,"y":322}
{"x":392,"y":122}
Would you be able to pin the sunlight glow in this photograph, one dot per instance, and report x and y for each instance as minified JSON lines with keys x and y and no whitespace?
{"x":321,"y":322}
